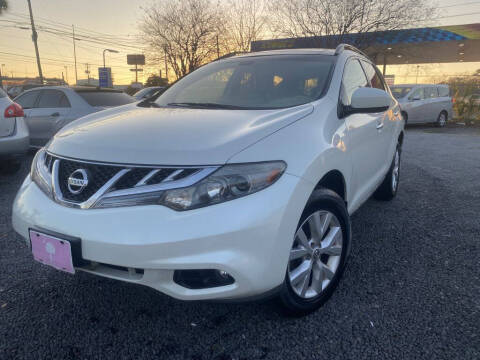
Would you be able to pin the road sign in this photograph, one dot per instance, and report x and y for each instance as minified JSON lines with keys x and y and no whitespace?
{"x":105,"y":77}
{"x":136,"y":59}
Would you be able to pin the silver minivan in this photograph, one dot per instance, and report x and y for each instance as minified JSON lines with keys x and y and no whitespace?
{"x":424,"y":103}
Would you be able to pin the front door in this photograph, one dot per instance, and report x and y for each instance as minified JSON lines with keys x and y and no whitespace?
{"x":362,"y":136}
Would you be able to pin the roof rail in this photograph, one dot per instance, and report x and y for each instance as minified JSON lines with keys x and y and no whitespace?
{"x":342,"y":47}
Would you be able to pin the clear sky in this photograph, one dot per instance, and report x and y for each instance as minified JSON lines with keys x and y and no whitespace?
{"x":117,"y":20}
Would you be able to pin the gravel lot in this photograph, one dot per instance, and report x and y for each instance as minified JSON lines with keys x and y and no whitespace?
{"x":411,"y":290}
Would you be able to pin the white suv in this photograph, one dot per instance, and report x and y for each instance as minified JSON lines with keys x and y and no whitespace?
{"x":237,"y":182}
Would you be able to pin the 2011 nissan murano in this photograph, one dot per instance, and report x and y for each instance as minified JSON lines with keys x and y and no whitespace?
{"x":237,"y":182}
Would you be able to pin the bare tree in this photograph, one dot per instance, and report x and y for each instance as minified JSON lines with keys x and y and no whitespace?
{"x":302,"y":18}
{"x":246,"y":22}
{"x":183,"y":31}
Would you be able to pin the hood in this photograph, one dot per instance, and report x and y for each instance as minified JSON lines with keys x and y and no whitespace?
{"x":169,"y":136}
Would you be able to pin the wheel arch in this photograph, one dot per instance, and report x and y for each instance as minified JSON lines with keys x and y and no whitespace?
{"x":335,"y":181}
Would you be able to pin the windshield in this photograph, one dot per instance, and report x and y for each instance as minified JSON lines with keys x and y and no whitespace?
{"x":260,"y":82}
{"x":105,"y":98}
{"x":400,"y":92}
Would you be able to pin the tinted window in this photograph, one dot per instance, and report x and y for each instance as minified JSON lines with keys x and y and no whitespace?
{"x":372,"y":75}
{"x":105,"y":98}
{"x":52,"y":99}
{"x":443,"y":91}
{"x":431,"y":92}
{"x":27,"y":100}
{"x":400,"y":92}
{"x":2,"y":93}
{"x":353,"y":78}
{"x":417,"y":94}
{"x":254,"y":82}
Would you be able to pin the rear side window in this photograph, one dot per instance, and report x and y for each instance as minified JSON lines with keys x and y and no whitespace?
{"x":2,"y":93}
{"x":443,"y":91}
{"x":27,"y":100}
{"x":431,"y":92}
{"x":53,"y":99}
{"x":105,"y":98}
{"x":353,"y":78}
{"x":372,"y":75}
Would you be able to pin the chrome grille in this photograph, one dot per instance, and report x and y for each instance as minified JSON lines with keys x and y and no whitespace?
{"x":110,"y":180}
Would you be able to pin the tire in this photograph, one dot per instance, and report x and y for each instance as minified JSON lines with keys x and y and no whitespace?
{"x":10,"y":167}
{"x":389,"y":187}
{"x":323,"y":279}
{"x":442,"y":119}
{"x":405,"y":117}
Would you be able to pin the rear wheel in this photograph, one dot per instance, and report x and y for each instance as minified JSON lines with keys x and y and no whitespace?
{"x":389,"y":187}
{"x":318,"y":254}
{"x":442,"y":119}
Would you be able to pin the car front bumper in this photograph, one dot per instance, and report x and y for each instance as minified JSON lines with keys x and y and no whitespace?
{"x":16,"y":144}
{"x":249,"y":238}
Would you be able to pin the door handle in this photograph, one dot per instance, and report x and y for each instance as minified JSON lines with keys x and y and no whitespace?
{"x":55,"y":114}
{"x":379,"y":125}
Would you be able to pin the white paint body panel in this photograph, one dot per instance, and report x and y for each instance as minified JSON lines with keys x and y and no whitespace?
{"x":249,"y":237}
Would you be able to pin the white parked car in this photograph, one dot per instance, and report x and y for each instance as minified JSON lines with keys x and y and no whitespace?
{"x":237,"y":182}
{"x":424,"y":103}
{"x":49,"y":108}
{"x":14,"y":137}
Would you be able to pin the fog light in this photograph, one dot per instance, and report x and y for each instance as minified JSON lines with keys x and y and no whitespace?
{"x":202,"y":279}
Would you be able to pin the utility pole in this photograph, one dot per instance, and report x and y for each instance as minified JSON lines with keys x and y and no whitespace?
{"x":218,"y":48}
{"x":74,"y":54}
{"x":87,"y":71}
{"x":416,"y":79}
{"x":34,"y":39}
{"x":66,"y":72}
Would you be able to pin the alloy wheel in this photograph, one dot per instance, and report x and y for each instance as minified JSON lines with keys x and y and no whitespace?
{"x":315,"y":254}
{"x":442,"y":120}
{"x":396,"y":171}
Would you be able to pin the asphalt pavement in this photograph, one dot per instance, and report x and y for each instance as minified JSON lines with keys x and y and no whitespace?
{"x":411,"y":290}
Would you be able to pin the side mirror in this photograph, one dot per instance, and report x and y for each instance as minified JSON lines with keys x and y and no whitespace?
{"x":368,"y":100}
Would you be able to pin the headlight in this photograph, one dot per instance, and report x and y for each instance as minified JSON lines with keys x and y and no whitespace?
{"x":227,"y":183}
{"x":40,"y":173}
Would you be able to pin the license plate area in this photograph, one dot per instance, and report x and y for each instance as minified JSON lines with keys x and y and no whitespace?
{"x":52,"y":251}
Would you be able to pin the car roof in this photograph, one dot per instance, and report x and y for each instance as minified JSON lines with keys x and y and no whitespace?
{"x":76,"y":88}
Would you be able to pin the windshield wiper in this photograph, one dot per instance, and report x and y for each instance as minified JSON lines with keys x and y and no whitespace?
{"x":205,"y":105}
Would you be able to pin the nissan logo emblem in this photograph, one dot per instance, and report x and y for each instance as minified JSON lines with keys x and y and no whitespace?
{"x":77,"y":181}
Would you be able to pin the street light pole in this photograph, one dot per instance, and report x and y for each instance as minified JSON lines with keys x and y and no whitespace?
{"x":109,"y":50}
{"x":74,"y":54}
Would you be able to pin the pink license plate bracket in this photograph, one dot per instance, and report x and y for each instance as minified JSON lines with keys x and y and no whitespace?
{"x":52,"y":251}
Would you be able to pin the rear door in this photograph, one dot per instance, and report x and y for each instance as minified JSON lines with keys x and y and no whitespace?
{"x":7,"y":125}
{"x":445,"y":99}
{"x":51,"y":109}
{"x":433,"y":104}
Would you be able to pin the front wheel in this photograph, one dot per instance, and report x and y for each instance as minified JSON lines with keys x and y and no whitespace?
{"x":318,"y":254}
